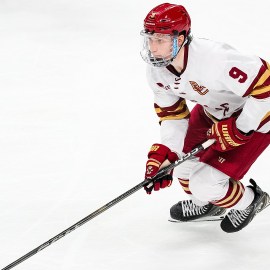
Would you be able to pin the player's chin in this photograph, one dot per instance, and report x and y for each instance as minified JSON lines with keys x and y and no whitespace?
{"x":160,"y":57}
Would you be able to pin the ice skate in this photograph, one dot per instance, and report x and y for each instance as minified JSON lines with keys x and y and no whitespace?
{"x":185,"y":211}
{"x":236,"y":220}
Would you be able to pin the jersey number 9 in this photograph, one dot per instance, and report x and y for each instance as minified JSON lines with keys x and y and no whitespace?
{"x":236,"y":73}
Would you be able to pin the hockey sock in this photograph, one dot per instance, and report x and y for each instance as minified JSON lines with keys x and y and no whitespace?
{"x":234,"y":194}
{"x":185,"y":185}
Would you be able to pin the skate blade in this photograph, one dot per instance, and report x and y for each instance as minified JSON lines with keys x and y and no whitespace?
{"x":203,"y":219}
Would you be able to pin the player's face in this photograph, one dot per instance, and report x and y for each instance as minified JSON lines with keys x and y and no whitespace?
{"x":158,"y":49}
{"x":160,"y":45}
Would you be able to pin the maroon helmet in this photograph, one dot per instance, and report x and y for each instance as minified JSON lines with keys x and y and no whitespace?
{"x":168,"y":19}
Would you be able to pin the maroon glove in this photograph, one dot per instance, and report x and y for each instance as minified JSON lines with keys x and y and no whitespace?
{"x":227,"y":135}
{"x":156,"y":156}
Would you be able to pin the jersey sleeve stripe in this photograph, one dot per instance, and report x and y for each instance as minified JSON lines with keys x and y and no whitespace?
{"x":261,"y":77}
{"x":260,"y":90}
{"x":161,"y":111}
{"x":266,"y":64}
{"x":261,"y":93}
{"x":173,"y":107}
{"x":179,"y":110}
{"x":265,"y":120}
{"x":262,"y":96}
{"x":175,"y":117}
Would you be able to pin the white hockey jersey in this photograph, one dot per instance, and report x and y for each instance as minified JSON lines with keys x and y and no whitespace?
{"x":219,"y":78}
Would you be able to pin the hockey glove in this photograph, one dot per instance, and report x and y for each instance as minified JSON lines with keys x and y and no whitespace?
{"x":227,"y":135}
{"x":156,"y":157}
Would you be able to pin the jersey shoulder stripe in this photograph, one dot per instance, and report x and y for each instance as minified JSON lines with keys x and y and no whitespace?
{"x":265,"y":120}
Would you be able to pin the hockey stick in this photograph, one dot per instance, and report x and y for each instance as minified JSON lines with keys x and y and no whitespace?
{"x":111,"y":203}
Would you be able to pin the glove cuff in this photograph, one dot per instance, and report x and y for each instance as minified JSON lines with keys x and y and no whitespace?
{"x":160,"y":152}
{"x":236,"y":137}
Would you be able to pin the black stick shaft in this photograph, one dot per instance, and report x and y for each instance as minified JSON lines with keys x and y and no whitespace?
{"x":76,"y":225}
{"x":108,"y":205}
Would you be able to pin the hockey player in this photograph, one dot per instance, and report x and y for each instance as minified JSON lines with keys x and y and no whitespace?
{"x":231,"y":92}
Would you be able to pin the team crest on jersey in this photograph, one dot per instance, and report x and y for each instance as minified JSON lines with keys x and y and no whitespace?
{"x":202,"y":90}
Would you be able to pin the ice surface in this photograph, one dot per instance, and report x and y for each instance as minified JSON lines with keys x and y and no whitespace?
{"x":76,"y":121}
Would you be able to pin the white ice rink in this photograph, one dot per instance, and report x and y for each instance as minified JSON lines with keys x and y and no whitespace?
{"x":76,"y":122}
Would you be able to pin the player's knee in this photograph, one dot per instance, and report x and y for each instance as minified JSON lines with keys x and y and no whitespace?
{"x":198,"y":187}
{"x":207,"y":183}
{"x":184,"y":170}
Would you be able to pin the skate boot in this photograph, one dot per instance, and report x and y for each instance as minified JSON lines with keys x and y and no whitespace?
{"x":186,"y":210}
{"x":236,"y":220}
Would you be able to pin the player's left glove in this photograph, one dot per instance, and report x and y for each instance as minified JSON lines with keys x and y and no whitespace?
{"x":157,"y":155}
{"x":163,"y":182}
{"x":227,"y":135}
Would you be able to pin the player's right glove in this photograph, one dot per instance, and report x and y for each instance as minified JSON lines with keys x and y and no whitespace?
{"x":156,"y":157}
{"x":227,"y":135}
